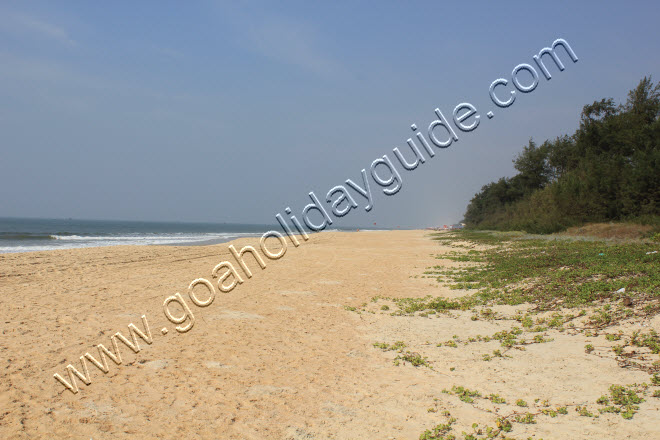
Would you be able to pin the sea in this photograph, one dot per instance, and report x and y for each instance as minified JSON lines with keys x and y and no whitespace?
{"x":29,"y":234}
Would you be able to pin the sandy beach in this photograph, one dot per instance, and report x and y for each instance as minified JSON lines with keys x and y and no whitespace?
{"x":283,"y":355}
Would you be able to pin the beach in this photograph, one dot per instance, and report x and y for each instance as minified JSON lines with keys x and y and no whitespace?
{"x":287,"y":354}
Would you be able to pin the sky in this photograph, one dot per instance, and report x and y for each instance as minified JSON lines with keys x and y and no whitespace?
{"x":232,"y":111}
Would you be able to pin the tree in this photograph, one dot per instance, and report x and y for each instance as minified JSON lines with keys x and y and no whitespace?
{"x":609,"y":169}
{"x":644,"y":100}
{"x":533,"y":169}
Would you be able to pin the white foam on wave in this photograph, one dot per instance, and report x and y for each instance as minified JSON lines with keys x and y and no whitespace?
{"x":17,"y":249}
{"x":149,"y":237}
{"x":78,"y":241}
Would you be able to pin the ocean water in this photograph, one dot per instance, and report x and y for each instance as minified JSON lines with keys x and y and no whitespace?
{"x":25,"y":235}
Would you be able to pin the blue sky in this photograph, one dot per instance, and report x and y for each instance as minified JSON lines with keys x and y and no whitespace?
{"x":231,"y":111}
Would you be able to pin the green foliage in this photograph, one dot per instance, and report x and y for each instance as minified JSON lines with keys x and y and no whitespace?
{"x":466,"y":395}
{"x":416,"y":359}
{"x":607,"y":170}
{"x":440,"y":432}
{"x":508,"y":338}
{"x":527,"y":418}
{"x":650,"y":340}
{"x":495,"y":398}
{"x":584,"y":412}
{"x":504,"y":424}
{"x":545,"y":271}
{"x":397,"y":346}
{"x":624,"y":400}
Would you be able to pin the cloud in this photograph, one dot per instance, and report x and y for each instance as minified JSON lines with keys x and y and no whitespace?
{"x":22,"y":24}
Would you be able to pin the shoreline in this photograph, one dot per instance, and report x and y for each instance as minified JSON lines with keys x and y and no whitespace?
{"x":193,"y":242}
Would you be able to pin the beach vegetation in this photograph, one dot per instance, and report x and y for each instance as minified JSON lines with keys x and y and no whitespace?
{"x":605,"y":171}
{"x":622,"y":400}
{"x":397,"y":346}
{"x":415,"y":359}
{"x":439,"y":432}
{"x":495,"y":398}
{"x":549,"y":273}
{"x":464,"y":394}
{"x":522,"y":403}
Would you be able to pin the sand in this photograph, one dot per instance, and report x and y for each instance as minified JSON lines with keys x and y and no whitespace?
{"x":279,"y":357}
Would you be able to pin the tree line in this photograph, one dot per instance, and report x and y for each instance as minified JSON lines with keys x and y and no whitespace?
{"x":609,"y":169}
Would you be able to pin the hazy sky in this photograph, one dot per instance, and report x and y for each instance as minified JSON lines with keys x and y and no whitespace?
{"x":231,"y":111}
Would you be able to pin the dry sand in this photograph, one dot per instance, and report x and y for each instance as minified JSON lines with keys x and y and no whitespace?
{"x":279,"y":357}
